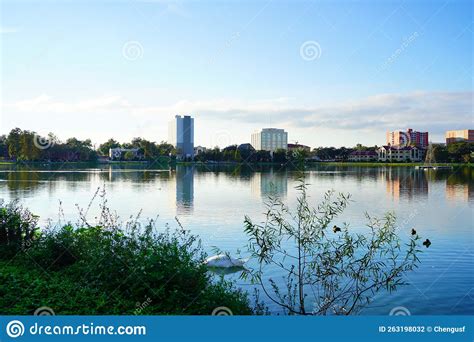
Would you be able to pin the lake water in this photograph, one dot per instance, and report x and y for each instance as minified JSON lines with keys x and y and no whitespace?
{"x":212,"y":203}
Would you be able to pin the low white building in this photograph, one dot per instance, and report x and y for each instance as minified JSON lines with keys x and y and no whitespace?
{"x":199,"y":150}
{"x":396,"y":153}
{"x":118,"y":153}
{"x":270,"y":139}
{"x":363,"y":156}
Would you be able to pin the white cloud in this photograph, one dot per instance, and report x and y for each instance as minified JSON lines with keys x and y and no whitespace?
{"x":432,"y":111}
{"x":369,"y":117}
{"x":5,"y":30}
{"x":47,"y":104}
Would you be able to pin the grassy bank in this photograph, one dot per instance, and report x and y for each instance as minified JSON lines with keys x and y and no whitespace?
{"x":106,"y":270}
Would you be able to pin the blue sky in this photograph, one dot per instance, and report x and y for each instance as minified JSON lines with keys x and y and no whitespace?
{"x":122,"y":69}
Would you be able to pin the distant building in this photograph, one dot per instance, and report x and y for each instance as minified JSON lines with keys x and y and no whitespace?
{"x":466,"y":135}
{"x":363,"y":156}
{"x":181,"y":136}
{"x":119,"y":153}
{"x":246,"y":147}
{"x":270,"y":139}
{"x":408,"y":138}
{"x":400,"y":153}
{"x":296,"y":147}
{"x":199,"y":150}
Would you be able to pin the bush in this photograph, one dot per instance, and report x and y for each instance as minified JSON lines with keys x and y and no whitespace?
{"x":326,"y":271}
{"x":103,"y":270}
{"x":17,"y":228}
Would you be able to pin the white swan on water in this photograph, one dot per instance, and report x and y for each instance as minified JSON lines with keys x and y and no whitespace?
{"x":224,"y":261}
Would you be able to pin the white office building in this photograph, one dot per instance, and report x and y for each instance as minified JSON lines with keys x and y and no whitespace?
{"x":181,"y":135}
{"x":270,"y":139}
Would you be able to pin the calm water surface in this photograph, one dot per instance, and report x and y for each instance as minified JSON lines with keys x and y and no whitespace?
{"x":212,"y":203}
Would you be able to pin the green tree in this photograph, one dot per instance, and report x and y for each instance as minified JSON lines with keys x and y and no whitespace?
{"x":326,"y":271}
{"x":279,"y":156}
{"x":441,"y":154}
{"x":111,"y":143}
{"x":3,"y":146}
{"x":29,"y":149}
{"x":237,"y":156}
{"x":165,"y":149}
{"x":460,"y":151}
{"x":13,"y":142}
{"x":129,"y":155}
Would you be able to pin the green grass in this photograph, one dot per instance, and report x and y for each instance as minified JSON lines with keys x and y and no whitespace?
{"x":106,"y":270}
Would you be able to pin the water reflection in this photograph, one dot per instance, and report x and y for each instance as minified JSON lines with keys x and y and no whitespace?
{"x":184,"y":189}
{"x":460,"y":185}
{"x":272,"y":183}
{"x":399,"y":182}
{"x":405,"y":183}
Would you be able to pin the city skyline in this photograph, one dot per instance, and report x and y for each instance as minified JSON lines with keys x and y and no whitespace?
{"x":335,"y":81}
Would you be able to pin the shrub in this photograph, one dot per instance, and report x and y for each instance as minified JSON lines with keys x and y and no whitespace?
{"x":326,"y":271}
{"x":17,"y":228}
{"x":134,"y":270}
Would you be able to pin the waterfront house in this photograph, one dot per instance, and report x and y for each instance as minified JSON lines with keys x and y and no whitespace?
{"x":358,"y":156}
{"x":400,"y":154}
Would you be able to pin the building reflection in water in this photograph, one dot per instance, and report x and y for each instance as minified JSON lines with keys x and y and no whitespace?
{"x":460,"y":186}
{"x":184,"y":189}
{"x":272,"y":183}
{"x":407,"y":183}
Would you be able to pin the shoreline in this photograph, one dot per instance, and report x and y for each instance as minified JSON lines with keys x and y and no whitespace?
{"x":228,"y":163}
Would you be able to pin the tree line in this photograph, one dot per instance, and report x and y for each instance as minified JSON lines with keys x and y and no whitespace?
{"x":25,"y":145}
{"x":148,"y":150}
{"x":460,"y":152}
{"x":243,"y":153}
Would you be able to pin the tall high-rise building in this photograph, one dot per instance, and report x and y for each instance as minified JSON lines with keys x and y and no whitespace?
{"x":408,"y":138}
{"x":270,"y":139}
{"x":181,"y":135}
{"x":466,"y":135}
